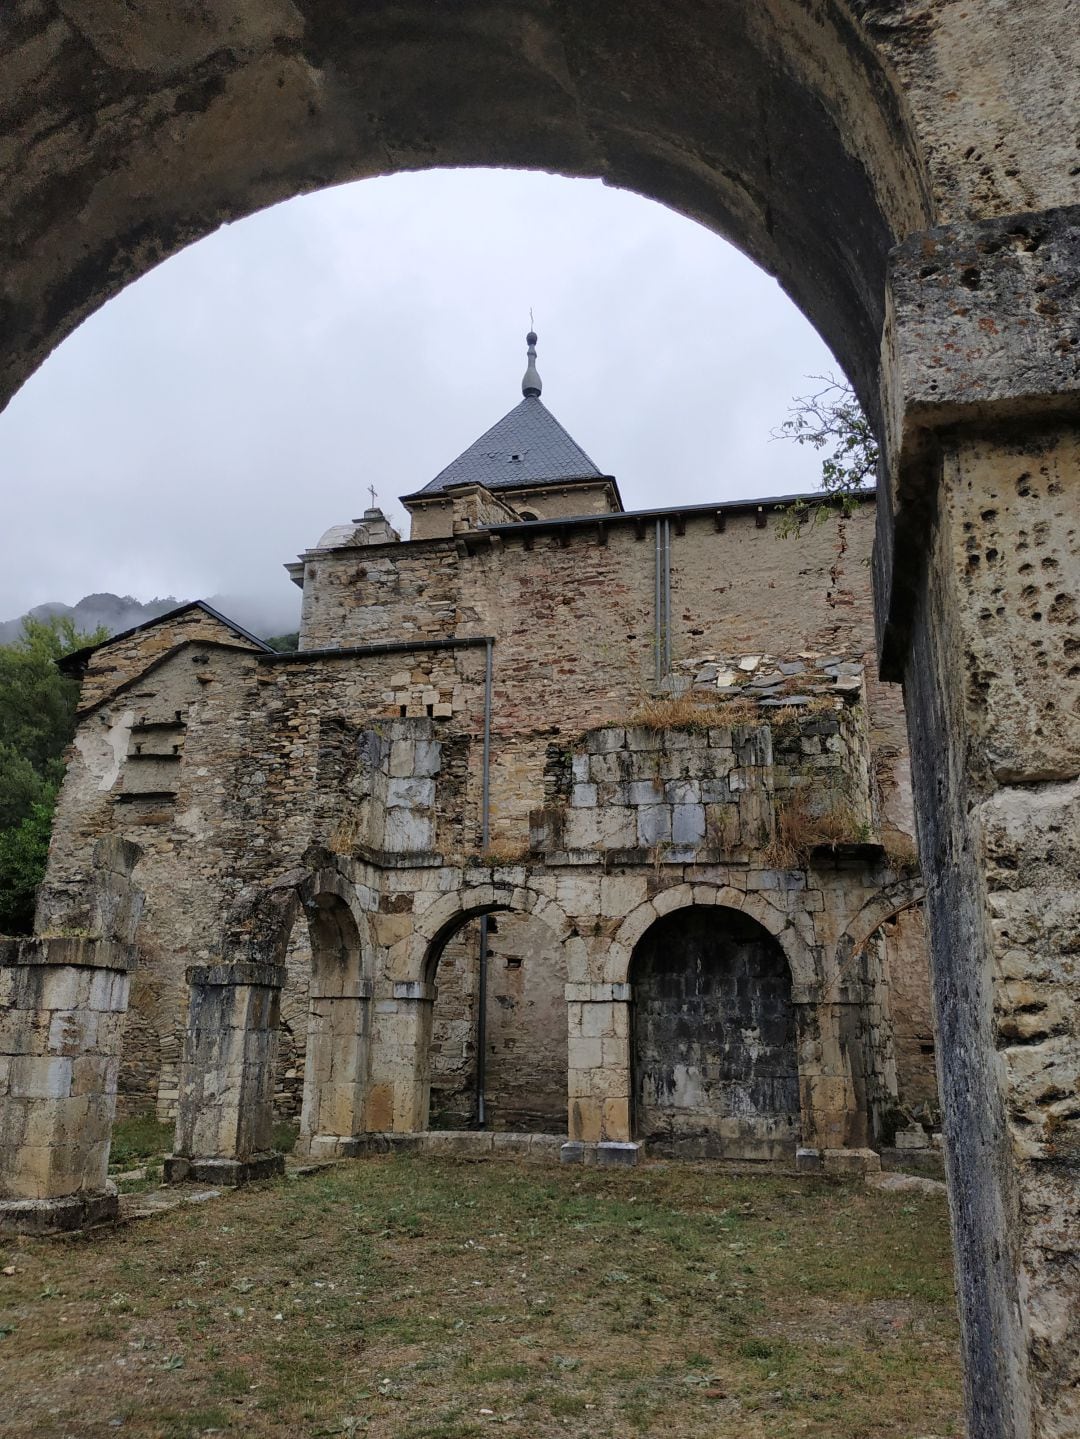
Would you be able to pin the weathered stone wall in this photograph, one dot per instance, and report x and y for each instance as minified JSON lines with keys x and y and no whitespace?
{"x":376,"y":758}
{"x":571,"y":617}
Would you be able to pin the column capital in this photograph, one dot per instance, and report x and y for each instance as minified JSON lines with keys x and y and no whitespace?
{"x":272,"y":976}
{"x":597,"y":993}
{"x":982,"y":329}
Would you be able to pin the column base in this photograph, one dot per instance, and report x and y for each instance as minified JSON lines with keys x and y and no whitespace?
{"x":228,"y":1173}
{"x":59,"y":1216}
{"x":851,"y":1161}
{"x":607,"y":1153}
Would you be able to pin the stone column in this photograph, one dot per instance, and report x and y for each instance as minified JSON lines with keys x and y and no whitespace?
{"x":223,"y":1127}
{"x":62,"y":1004}
{"x":335,"y":1067}
{"x":979,"y":582}
{"x":832,"y":1115}
{"x":598,"y":1078}
{"x":400,"y":1092}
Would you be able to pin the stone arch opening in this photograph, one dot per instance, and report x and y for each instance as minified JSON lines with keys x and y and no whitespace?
{"x":498,"y":1023}
{"x":337,"y":1051}
{"x":714,"y":1058}
{"x":886,"y":1022}
{"x":215,"y":117}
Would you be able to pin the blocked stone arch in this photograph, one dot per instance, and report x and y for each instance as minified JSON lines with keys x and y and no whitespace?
{"x":414,"y":959}
{"x":804,"y":963}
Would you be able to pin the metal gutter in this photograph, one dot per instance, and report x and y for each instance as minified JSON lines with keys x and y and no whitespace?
{"x":615,"y":517}
{"x":390,"y":647}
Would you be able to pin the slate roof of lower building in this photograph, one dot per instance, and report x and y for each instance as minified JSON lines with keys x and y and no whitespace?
{"x":526,"y":447}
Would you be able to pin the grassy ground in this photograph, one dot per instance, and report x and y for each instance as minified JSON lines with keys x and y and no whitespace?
{"x":437,"y":1299}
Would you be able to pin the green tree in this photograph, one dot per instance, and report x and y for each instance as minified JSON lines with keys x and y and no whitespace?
{"x":37,"y":722}
{"x":23,"y":851}
{"x":832,"y":419}
{"x":284,"y":644}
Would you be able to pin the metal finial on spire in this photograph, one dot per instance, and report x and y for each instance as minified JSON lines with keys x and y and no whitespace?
{"x":530,"y":383}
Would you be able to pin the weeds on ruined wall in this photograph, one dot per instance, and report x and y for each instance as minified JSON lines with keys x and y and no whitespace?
{"x":900,"y":851}
{"x":694,"y":711}
{"x":810,"y":816}
{"x":501,"y":849}
{"x":831,"y":419}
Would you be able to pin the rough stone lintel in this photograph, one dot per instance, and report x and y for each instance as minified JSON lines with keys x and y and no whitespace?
{"x":78,"y":951}
{"x":982,"y":327}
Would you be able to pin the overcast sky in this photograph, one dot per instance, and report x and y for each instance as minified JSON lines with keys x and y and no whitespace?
{"x":214,"y":419}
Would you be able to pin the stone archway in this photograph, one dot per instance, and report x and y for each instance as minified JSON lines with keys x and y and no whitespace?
{"x":522,"y":1011}
{"x":886,"y":1028}
{"x":132,"y":131}
{"x":804,"y":965}
{"x":339,"y":1019}
{"x":714,"y":1058}
{"x":162,"y":128}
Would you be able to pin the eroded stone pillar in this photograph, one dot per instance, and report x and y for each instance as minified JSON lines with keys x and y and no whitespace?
{"x":400,"y":1092}
{"x":62,"y":1005}
{"x":335,"y":1066}
{"x":983,"y":606}
{"x":225,"y":1117}
{"x":598,"y":1064}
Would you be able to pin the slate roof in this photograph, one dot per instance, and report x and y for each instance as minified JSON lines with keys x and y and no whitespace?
{"x":526,"y":447}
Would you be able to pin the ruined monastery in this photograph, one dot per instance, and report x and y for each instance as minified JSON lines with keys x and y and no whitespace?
{"x":562,"y":821}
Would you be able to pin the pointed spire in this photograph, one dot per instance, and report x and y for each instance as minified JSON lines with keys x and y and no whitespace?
{"x":530,"y":383}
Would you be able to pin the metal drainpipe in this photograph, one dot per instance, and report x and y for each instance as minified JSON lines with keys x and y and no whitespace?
{"x":667,"y":597}
{"x":485,"y":836}
{"x":657,"y":610}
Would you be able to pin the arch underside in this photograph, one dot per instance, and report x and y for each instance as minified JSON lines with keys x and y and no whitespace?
{"x":135,"y":132}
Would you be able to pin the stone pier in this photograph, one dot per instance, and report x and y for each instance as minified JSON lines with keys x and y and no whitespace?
{"x":598,"y":1057}
{"x":979,"y":579}
{"x":62,"y":1005}
{"x":399,"y":1095}
{"x":225,"y":1119}
{"x":336,"y":1066}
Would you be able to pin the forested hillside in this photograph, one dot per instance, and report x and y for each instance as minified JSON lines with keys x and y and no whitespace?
{"x":37,"y":716}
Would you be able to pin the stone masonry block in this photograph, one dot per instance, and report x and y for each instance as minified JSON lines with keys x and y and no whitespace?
{"x":654,"y":825}
{"x":427,"y":756}
{"x":41,"y":1076}
{"x":619,"y":894}
{"x":410,"y":793}
{"x":402,"y":759}
{"x":688,"y":823}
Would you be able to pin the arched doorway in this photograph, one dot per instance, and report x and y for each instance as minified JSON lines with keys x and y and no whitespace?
{"x":714,"y":1060}
{"x":498,"y":1027}
{"x":336,"y":1059}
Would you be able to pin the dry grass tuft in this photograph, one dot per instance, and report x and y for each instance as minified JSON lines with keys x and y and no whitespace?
{"x":900,"y":851}
{"x":503,"y":850}
{"x":799,"y":828}
{"x":696,"y":711}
